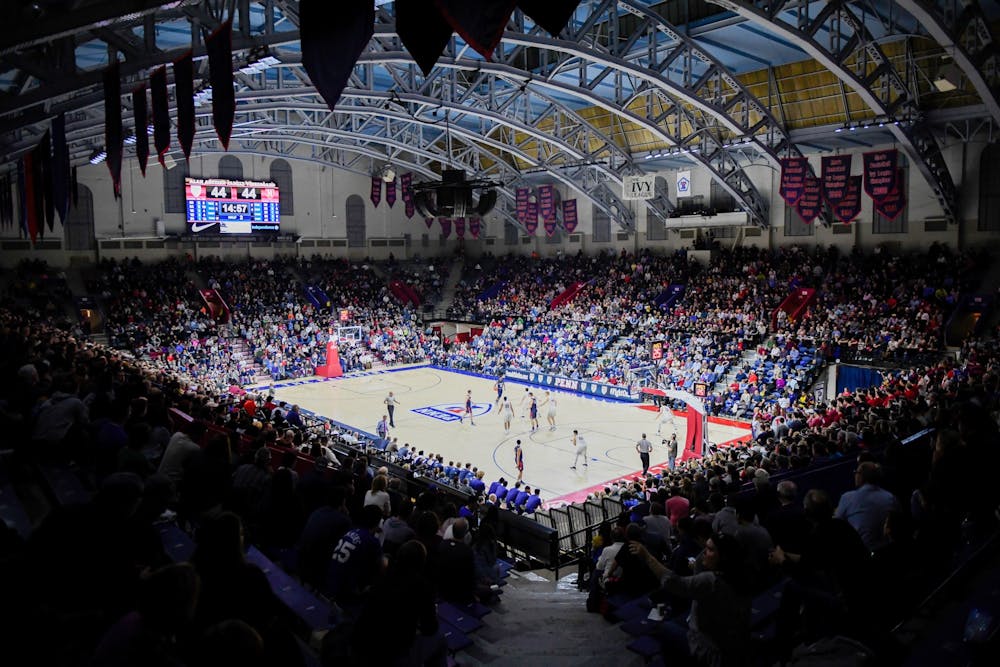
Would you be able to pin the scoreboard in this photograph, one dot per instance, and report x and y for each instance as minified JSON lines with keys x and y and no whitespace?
{"x":221,"y":206}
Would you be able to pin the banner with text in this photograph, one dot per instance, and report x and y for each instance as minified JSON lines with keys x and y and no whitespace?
{"x":569,"y":215}
{"x":588,"y":387}
{"x":460,"y":227}
{"x":836,"y":174}
{"x":638,"y":187}
{"x":445,"y":226}
{"x":376,"y":196}
{"x":893,"y":203}
{"x":810,"y":203}
{"x":793,"y":178}
{"x":406,"y":186}
{"x":474,"y":227}
{"x":547,"y":204}
{"x":531,"y":217}
{"x":848,"y":208}
{"x":880,"y":173}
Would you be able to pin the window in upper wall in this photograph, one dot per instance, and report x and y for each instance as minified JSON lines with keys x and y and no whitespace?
{"x":173,"y":188}
{"x":883,"y":225}
{"x":989,"y":190}
{"x":355,"y":222}
{"x":231,"y":168}
{"x":720,"y":199}
{"x":511,"y":233}
{"x":281,"y":174}
{"x":79,"y":227}
{"x":656,"y":230}
{"x":796,"y":226}
{"x":601,"y":225}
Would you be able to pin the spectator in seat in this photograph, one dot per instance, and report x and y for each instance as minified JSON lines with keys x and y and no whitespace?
{"x":533,"y":502}
{"x":357,"y":562}
{"x":323,"y":529}
{"x":677,"y":506}
{"x":396,"y":530}
{"x":456,"y":579}
{"x":788,"y":525}
{"x":867,"y":507}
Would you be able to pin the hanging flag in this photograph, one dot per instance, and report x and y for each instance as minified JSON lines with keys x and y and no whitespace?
{"x":880,"y":173}
{"x":30,"y":202}
{"x":550,"y":227}
{"x":475,"y":224}
{"x":849,"y":206}
{"x":44,"y":157}
{"x":60,"y":167}
{"x":22,"y":198}
{"x":429,"y":222}
{"x":894,"y":203}
{"x":4,"y":204}
{"x":423,"y":31}
{"x":74,"y":188}
{"x":184,"y":93}
{"x":552,"y":15}
{"x":113,"y":139}
{"x":406,"y":185}
{"x":793,"y":178}
{"x":547,"y":204}
{"x":38,"y":180}
{"x":219,"y":47}
{"x":481,"y":24}
{"x":569,"y":215}
{"x":376,"y":195}
{"x":531,"y":217}
{"x":333,"y":37}
{"x":460,"y":227}
{"x":390,"y":192}
{"x":445,"y":227}
{"x":141,"y":135}
{"x":161,"y":112}
{"x":810,"y":203}
{"x":836,"y":174}
{"x":684,"y":183}
{"x":522,"y":205}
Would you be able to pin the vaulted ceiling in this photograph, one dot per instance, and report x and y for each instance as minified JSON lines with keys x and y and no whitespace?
{"x":628,"y":87}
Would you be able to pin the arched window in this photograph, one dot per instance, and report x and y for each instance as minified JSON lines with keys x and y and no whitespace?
{"x":511,"y":233}
{"x":656,"y":230}
{"x":355,"y":222}
{"x":989,"y":190}
{"x":230,"y":167}
{"x":281,"y":174}
{"x":173,"y":188}
{"x":79,"y":227}
{"x":602,"y":225}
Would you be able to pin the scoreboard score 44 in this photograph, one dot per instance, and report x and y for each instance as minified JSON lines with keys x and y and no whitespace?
{"x":221,"y":206}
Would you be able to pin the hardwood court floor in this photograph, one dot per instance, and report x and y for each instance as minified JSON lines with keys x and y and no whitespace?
{"x":430,"y":400}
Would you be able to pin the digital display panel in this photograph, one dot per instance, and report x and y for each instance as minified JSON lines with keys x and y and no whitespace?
{"x":219,"y":206}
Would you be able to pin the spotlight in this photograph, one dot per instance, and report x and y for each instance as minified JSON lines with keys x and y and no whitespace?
{"x":98,"y":156}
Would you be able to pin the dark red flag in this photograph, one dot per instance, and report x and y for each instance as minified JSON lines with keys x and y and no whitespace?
{"x":184,"y":92}
{"x":333,"y":36}
{"x":475,"y":224}
{"x":531,"y":217}
{"x":569,"y":215}
{"x":376,"y":195}
{"x":836,"y":174}
{"x":810,"y":204}
{"x":423,"y":31}
{"x":553,"y":15}
{"x":141,"y":121}
{"x":793,"y":178}
{"x":893,"y":203}
{"x":481,"y":24}
{"x":849,"y":206}
{"x":880,"y":173}
{"x":390,"y":192}
{"x":406,"y":185}
{"x":219,"y":46}
{"x":521,"y":206}
{"x":60,"y":167}
{"x":113,"y":139}
{"x":547,"y":203}
{"x":161,"y":112}
{"x":445,"y":227}
{"x":460,"y":227}
{"x":44,"y":156}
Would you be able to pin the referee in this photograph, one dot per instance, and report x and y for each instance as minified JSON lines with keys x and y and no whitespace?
{"x":644,"y":447}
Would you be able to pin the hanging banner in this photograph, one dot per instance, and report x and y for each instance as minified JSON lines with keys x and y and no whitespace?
{"x":683,"y":184}
{"x":184,"y":94}
{"x":113,"y":137}
{"x":429,"y":221}
{"x":141,"y":135}
{"x":547,"y":204}
{"x":848,"y":208}
{"x":531,"y":218}
{"x":522,"y":205}
{"x":445,"y":227}
{"x":793,"y":178}
{"x":460,"y":227}
{"x":390,"y":192}
{"x":836,"y":174}
{"x":550,"y":227}
{"x":638,"y":187}
{"x":475,"y":224}
{"x":569,"y":215}
{"x":406,"y":186}
{"x":161,"y":111}
{"x":880,"y":173}
{"x":893,"y":203}
{"x":810,"y":204}
{"x":376,"y":195}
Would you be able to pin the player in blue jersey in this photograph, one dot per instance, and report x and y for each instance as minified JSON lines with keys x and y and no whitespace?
{"x":468,"y":409}
{"x":533,"y":413}
{"x":499,"y":388}
{"x":519,"y":460}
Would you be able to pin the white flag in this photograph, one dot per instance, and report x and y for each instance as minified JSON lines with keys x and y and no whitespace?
{"x":683,"y":183}
{"x":638,"y":187}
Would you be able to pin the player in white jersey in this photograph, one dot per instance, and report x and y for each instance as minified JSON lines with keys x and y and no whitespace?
{"x":550,"y":415}
{"x":665,"y":416}
{"x":580,"y":449}
{"x":525,"y":402}
{"x":507,"y":412}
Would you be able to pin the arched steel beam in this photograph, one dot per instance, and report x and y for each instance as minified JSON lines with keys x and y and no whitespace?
{"x":855,"y":58}
{"x":966,"y":37}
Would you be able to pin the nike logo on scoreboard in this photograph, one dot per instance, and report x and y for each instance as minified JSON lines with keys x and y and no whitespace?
{"x":201,"y":226}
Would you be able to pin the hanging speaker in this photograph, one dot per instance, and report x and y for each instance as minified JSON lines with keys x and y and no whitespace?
{"x":487,"y":200}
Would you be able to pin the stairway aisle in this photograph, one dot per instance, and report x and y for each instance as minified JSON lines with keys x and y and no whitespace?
{"x":543,"y":622}
{"x":450,"y":285}
{"x":240,"y":351}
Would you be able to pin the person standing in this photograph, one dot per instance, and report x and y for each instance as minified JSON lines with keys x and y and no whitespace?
{"x":508,"y":414}
{"x":519,"y":460}
{"x":580,"y":445}
{"x":468,"y":409}
{"x":382,"y":428}
{"x":533,"y":414}
{"x":644,"y":447}
{"x":525,"y":402}
{"x":665,"y":416}
{"x":390,"y":406}
{"x":671,"y":451}
{"x":499,"y":388}
{"x":550,"y":400}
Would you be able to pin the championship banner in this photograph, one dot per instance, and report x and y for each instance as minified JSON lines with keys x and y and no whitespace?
{"x":848,"y":208}
{"x":390,"y":192}
{"x":836,"y":174}
{"x":547,"y":204}
{"x":893,"y":203}
{"x":429,"y":221}
{"x":638,"y":187}
{"x":531,"y":217}
{"x":569,"y":215}
{"x":550,"y":227}
{"x":793,"y":178}
{"x":460,"y":227}
{"x":445,"y":226}
{"x":522,"y":205}
{"x":683,"y":183}
{"x":475,"y":224}
{"x":880,"y":173}
{"x":376,"y":195}
{"x":406,"y":186}
{"x":810,"y":203}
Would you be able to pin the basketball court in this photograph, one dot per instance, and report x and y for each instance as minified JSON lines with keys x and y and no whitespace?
{"x":427,"y":418}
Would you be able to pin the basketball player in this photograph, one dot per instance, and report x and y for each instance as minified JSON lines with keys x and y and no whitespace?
{"x":519,"y":460}
{"x":550,"y":400}
{"x":533,"y":413}
{"x":507,"y":411}
{"x":499,"y":388}
{"x":468,"y":409}
{"x":525,"y":402}
{"x":580,"y":446}
{"x":665,"y":416}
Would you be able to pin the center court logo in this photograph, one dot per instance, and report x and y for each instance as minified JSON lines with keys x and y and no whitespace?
{"x":451,"y":412}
